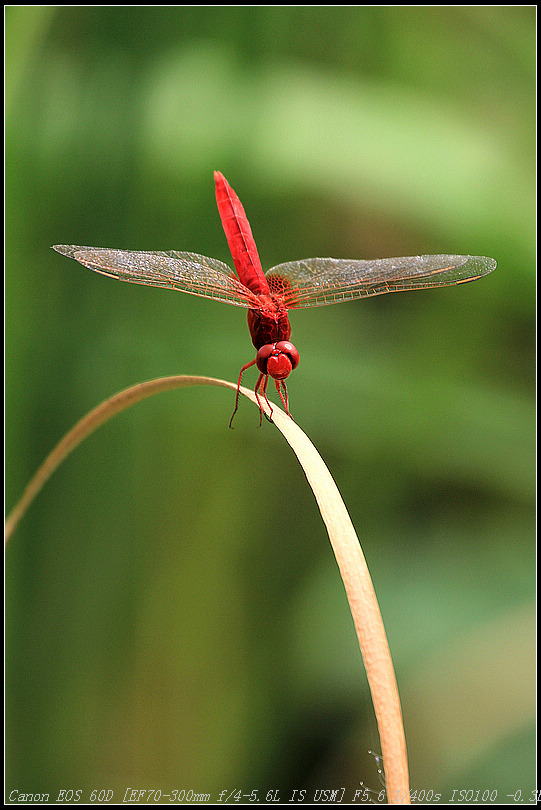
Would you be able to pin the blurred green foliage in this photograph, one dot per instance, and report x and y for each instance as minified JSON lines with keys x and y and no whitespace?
{"x":175,"y":618}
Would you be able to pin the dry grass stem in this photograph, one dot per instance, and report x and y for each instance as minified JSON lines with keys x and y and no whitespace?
{"x":351,"y":562}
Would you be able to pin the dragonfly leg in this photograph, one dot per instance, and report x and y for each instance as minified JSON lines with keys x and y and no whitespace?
{"x":262,"y":385}
{"x":284,"y":397}
{"x":243,"y":369}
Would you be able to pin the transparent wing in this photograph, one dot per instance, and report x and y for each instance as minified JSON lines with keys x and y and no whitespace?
{"x":315,"y":282}
{"x":188,"y":272}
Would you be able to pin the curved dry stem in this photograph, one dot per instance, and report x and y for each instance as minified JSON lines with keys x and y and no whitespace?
{"x":351,"y":562}
{"x":363,"y":605}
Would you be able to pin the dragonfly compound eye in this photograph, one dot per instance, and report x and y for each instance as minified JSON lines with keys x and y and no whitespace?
{"x":277,"y":359}
{"x":289,"y":349}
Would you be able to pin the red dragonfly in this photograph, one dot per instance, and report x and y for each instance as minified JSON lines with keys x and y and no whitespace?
{"x":268,"y":296}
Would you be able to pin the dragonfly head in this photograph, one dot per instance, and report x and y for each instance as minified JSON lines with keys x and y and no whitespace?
{"x":277,"y":359}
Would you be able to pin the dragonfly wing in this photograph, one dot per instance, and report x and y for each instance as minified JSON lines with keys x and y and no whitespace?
{"x":315,"y":282}
{"x":188,"y":272}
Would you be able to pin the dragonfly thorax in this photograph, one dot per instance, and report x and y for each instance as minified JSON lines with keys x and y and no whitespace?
{"x":268,"y":327}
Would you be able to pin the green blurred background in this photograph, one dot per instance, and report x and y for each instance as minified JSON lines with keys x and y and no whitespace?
{"x":176,"y":619}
